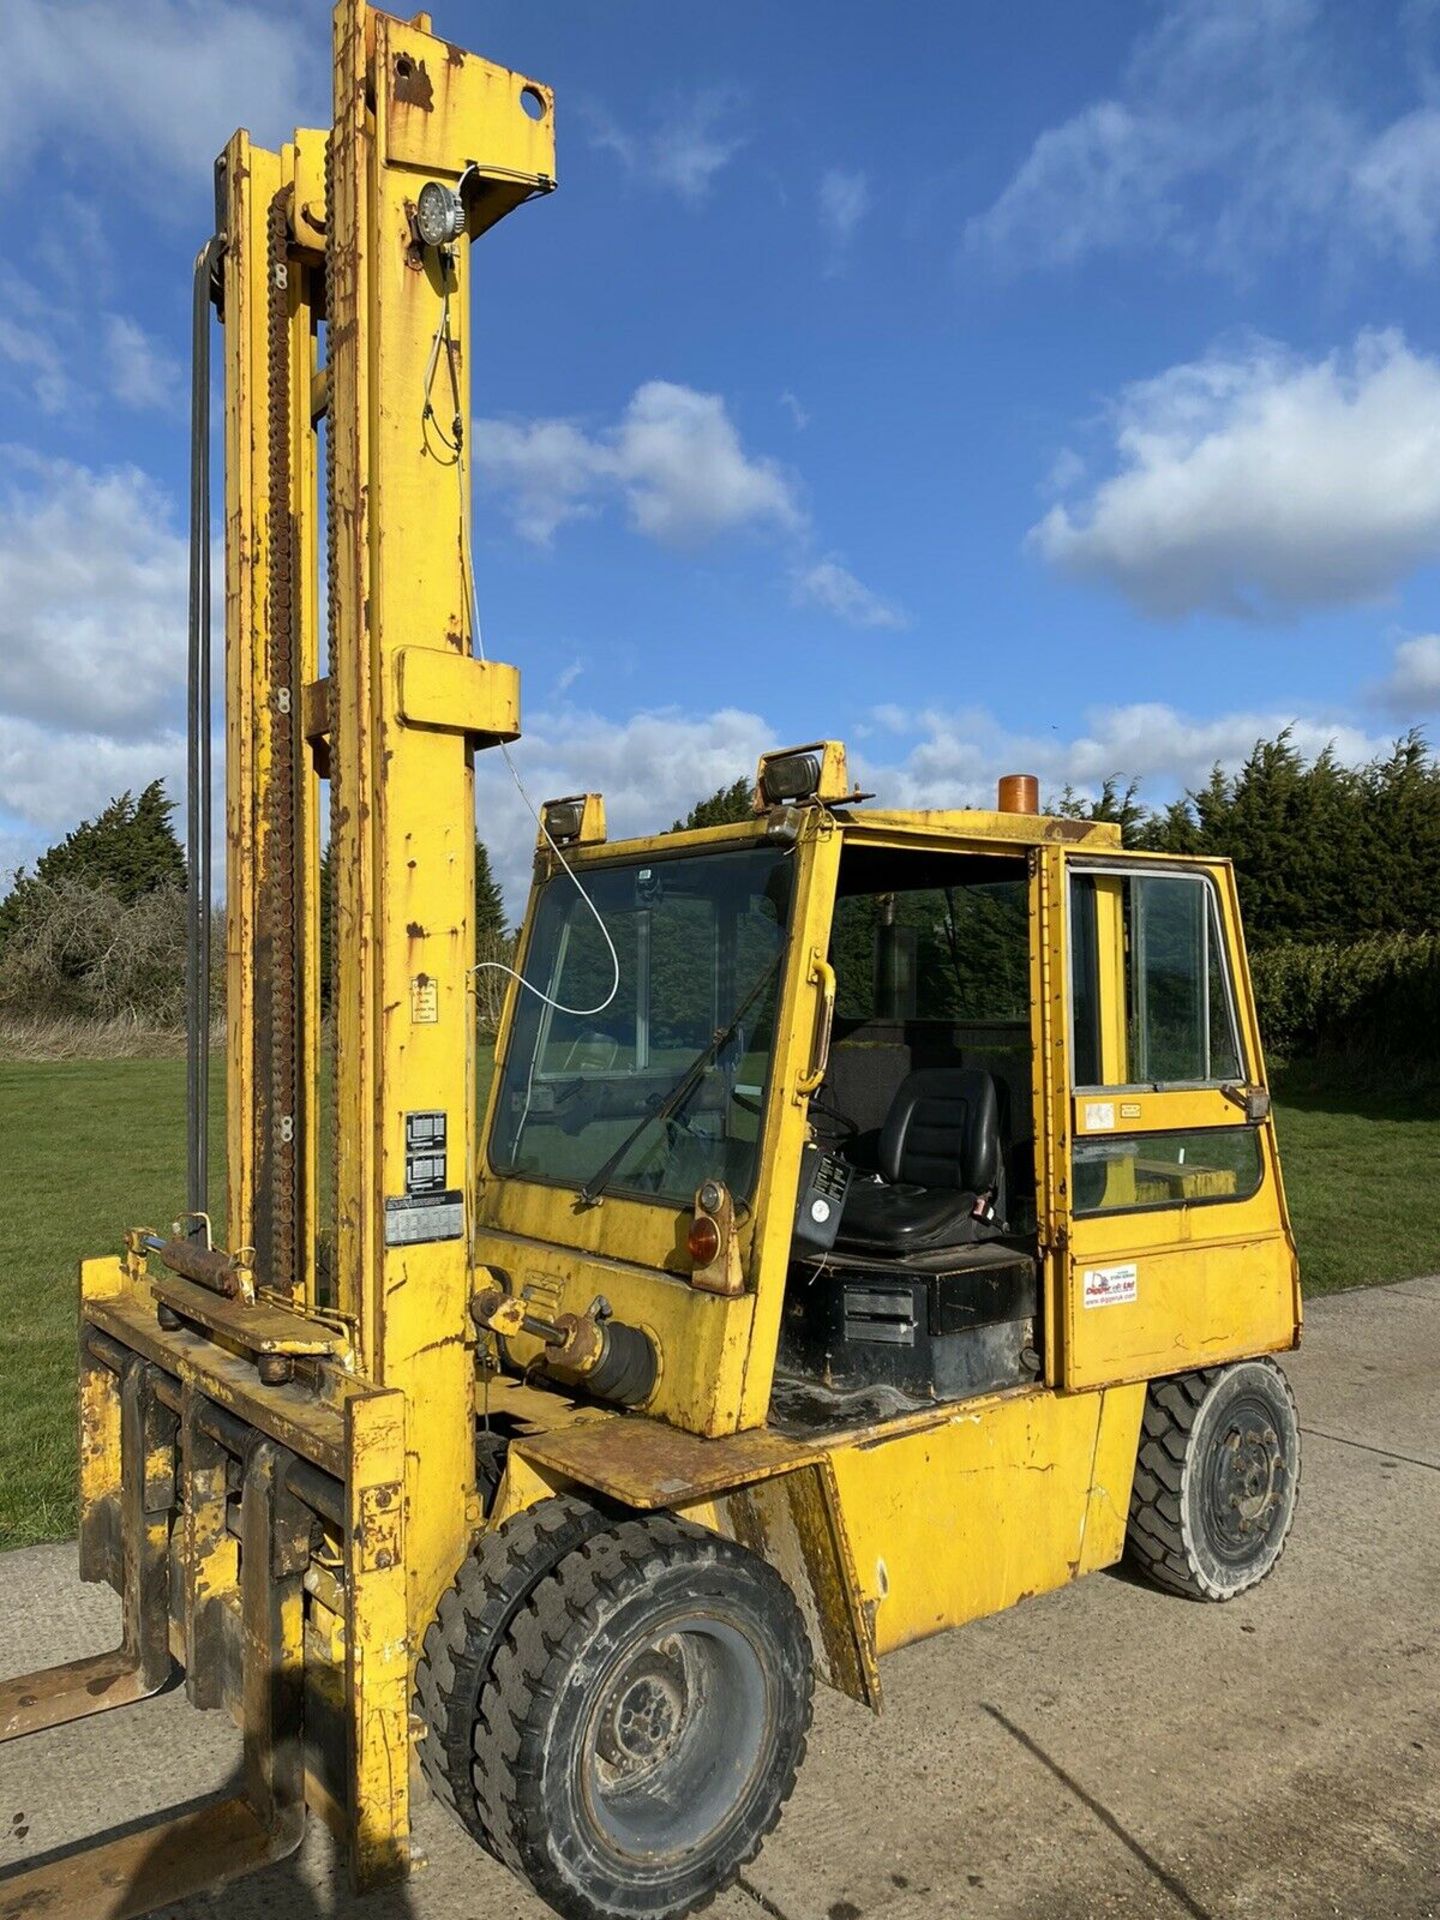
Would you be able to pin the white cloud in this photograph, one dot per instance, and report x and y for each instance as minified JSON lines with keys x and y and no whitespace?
{"x":52,"y":780}
{"x":1231,"y":129}
{"x":956,"y":758}
{"x":693,"y":141}
{"x":1396,"y":183}
{"x":653,"y":767}
{"x":45,"y":339}
{"x":28,"y":345}
{"x":150,"y":90}
{"x":1411,"y":689}
{"x":1253,"y":483}
{"x":547,"y":472}
{"x":141,"y":373}
{"x":93,"y":583}
{"x":828,"y":585}
{"x":674,"y":458}
{"x":685,"y":473}
{"x":800,"y":419}
{"x":845,"y":199}
{"x":37,"y":362}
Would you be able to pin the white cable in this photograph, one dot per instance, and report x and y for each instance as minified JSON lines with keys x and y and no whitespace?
{"x":467,"y":564}
{"x":501,"y":966}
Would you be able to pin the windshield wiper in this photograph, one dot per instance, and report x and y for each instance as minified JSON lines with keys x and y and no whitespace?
{"x":682,"y":1089}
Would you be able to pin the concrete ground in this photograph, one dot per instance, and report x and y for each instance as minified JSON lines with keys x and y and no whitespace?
{"x":1101,"y":1751}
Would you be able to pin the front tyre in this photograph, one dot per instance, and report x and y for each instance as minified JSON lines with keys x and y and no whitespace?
{"x":1216,"y":1481}
{"x":644,"y":1722}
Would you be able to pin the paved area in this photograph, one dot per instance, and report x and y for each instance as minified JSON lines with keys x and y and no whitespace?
{"x":1102,"y":1751}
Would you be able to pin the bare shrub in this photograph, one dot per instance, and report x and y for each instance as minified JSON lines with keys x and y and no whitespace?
{"x":77,"y":951}
{"x":493,"y":953}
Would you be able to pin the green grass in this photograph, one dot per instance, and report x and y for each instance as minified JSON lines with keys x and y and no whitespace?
{"x":1360,"y":1158}
{"x":91,"y":1147}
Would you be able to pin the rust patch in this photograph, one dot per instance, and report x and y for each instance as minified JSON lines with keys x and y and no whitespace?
{"x":454,"y":56}
{"x":1069,"y":829}
{"x":415,"y":931}
{"x":413,"y":86}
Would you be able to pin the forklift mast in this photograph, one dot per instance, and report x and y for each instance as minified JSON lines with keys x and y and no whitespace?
{"x":323,"y":1372}
{"x":347,"y":384}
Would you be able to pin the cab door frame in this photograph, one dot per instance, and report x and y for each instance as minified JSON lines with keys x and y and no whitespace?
{"x":1149,"y":1287}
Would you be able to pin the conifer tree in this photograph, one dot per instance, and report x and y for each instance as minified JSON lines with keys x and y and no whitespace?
{"x":719,"y":809}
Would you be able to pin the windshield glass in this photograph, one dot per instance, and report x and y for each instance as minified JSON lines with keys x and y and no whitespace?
{"x":699,"y":941}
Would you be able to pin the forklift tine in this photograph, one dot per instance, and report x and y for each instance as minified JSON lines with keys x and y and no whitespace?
{"x":140,"y":1665}
{"x":54,"y":1695}
{"x":168,"y":1860}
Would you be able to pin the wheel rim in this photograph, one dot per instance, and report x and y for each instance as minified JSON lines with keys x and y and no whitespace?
{"x":678,"y":1732}
{"x":1247,"y":1482}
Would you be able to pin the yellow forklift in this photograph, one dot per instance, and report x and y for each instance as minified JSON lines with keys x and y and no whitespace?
{"x":874,"y":1218}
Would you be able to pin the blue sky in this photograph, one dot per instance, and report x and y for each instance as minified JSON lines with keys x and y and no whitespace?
{"x":1035,"y":387}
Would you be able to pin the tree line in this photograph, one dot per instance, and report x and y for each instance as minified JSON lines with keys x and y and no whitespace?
{"x":96,"y":929}
{"x":1338,"y":870}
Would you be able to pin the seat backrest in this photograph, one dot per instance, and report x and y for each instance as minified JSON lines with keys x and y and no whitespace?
{"x":943,"y":1130}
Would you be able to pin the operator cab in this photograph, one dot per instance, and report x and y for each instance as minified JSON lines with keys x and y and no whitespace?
{"x":913,"y":1275}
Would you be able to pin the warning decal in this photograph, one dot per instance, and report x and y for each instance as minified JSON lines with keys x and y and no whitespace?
{"x":1110,"y":1286}
{"x":424,"y":1153}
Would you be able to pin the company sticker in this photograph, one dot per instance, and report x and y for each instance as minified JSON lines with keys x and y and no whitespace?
{"x":1109,"y":1286}
{"x":1099,"y":1114}
{"x":1129,"y":1109}
{"x":424,"y":1000}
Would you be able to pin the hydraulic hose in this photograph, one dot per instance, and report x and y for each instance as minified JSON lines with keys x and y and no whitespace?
{"x":197,"y":764}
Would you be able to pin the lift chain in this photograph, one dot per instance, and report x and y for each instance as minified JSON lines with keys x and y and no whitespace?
{"x":278,"y":906}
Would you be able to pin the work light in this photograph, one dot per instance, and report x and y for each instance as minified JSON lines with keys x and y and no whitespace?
{"x":791,"y":776}
{"x":439,"y":214}
{"x":564,"y":818}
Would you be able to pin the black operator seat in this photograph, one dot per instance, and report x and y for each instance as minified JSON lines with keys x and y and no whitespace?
{"x":940,"y":1166}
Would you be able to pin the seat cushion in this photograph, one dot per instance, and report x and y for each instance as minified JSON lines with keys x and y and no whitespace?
{"x":943,"y":1130}
{"x":879,"y":1218}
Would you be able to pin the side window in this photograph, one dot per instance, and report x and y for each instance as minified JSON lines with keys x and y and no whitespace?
{"x":1119,"y":1173}
{"x":1151,"y":999}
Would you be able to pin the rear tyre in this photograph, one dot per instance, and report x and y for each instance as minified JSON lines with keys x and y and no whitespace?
{"x":1216,"y":1481}
{"x":644,"y":1722}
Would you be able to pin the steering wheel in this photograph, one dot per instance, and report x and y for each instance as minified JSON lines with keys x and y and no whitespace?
{"x":849,"y":1128}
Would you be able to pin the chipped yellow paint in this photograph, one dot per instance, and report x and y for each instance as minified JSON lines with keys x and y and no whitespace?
{"x":717,"y":1351}
{"x":409,"y":107}
{"x":379,"y":1639}
{"x":987,"y":1504}
{"x":1212,"y":1282}
{"x":886,"y":1533}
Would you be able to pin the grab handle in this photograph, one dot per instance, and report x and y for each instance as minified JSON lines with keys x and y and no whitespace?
{"x":822,"y":974}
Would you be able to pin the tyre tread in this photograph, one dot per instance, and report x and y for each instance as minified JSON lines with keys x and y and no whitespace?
{"x":529,"y":1668}
{"x":490,"y":1590}
{"x":1156,"y":1542}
